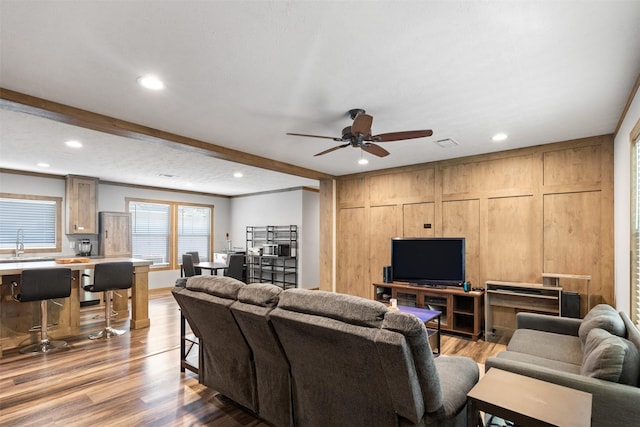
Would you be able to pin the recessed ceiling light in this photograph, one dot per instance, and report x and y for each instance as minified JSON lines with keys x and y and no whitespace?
{"x":238,"y":175}
{"x":188,"y":184}
{"x":363,"y":161}
{"x":499,"y":137}
{"x":151,"y":82}
{"x":43,"y":165}
{"x":73,"y":143}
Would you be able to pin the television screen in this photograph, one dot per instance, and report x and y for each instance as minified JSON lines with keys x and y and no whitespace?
{"x":428,"y":261}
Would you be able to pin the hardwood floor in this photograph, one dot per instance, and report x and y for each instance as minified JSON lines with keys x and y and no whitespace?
{"x":131,"y":380}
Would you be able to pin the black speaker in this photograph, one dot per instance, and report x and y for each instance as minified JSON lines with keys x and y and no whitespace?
{"x":386,"y":274}
{"x":570,"y":305}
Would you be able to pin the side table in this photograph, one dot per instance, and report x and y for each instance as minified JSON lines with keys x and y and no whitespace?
{"x":527,"y":401}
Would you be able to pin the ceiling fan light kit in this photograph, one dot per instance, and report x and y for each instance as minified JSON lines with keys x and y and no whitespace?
{"x":358,"y":135}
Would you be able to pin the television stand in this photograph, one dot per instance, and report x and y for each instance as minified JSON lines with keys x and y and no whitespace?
{"x":462,"y":312}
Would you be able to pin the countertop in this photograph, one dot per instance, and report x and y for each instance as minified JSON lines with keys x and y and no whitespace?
{"x":18,"y":267}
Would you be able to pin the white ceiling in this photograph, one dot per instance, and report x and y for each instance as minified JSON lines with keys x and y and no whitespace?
{"x":241,"y":74}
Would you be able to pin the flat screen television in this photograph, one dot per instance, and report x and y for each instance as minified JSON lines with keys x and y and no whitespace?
{"x":428,"y":261}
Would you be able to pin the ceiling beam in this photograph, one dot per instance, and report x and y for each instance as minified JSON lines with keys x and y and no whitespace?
{"x":20,"y":102}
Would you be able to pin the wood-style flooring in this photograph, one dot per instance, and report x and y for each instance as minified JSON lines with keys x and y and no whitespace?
{"x":132,"y":380}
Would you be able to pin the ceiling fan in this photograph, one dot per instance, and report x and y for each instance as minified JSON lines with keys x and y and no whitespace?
{"x":359,"y":135}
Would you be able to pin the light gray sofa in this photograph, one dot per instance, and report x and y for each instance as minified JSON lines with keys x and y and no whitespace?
{"x":319,"y":358}
{"x":599,"y":354}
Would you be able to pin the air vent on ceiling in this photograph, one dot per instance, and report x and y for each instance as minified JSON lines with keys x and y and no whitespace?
{"x":447,"y":142}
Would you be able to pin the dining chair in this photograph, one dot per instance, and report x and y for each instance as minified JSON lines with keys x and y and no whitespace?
{"x":187,"y":265}
{"x":195,"y":256}
{"x":236,"y":266}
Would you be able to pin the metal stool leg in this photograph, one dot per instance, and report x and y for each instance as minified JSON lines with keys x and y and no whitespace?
{"x":108,"y":331}
{"x":45,"y":345}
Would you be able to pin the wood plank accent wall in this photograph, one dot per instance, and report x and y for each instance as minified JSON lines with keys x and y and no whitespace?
{"x":523,"y":212}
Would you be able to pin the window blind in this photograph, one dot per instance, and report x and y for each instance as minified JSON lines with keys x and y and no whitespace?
{"x":36,"y":218}
{"x":194,"y":231}
{"x":150,"y":230}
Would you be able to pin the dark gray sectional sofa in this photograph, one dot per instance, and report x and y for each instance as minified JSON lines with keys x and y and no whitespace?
{"x":314,"y":358}
{"x":599,"y":354}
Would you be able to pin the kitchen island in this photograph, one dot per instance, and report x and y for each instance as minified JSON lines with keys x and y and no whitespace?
{"x":17,"y":318}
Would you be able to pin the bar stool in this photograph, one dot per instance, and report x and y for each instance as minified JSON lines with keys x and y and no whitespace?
{"x":41,"y":285}
{"x":107,"y":277}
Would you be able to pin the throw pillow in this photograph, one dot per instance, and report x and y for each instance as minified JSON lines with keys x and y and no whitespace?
{"x":602,"y":316}
{"x":610,"y":358}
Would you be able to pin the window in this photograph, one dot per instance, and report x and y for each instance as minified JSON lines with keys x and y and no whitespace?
{"x":635,"y":224}
{"x":150,"y":232}
{"x":194,"y":230}
{"x":163,"y":231}
{"x":31,"y":221}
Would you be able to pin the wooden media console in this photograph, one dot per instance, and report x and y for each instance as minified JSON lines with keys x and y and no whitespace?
{"x":462,"y":312}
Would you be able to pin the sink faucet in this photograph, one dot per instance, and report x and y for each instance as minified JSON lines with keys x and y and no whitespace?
{"x":19,"y":242}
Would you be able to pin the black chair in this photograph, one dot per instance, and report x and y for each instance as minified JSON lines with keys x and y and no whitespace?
{"x":107,"y":277}
{"x":236,"y":267}
{"x":42,"y":285}
{"x":195,"y":257}
{"x":187,"y":265}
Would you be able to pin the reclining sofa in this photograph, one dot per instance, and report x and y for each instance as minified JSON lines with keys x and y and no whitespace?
{"x":314,"y":358}
{"x":598,"y":354}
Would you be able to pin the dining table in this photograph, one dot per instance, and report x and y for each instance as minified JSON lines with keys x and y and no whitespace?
{"x":213,"y":267}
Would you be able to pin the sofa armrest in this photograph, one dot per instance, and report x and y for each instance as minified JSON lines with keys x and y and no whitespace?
{"x":548,"y":323}
{"x":612,"y":403}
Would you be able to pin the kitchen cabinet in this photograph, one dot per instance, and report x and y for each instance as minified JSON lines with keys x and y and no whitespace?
{"x":82,"y":205}
{"x":115,"y":234}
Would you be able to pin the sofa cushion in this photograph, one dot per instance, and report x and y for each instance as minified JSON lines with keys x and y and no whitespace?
{"x":219,"y":286}
{"x":261,"y":294}
{"x":609,"y":357}
{"x":345,"y":308}
{"x":547,"y":345}
{"x":540,"y":361}
{"x":602,"y":316}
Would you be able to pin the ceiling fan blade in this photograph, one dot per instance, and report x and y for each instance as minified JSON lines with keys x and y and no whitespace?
{"x":362,"y":124}
{"x":313,"y":136}
{"x":374,"y":149}
{"x":397,"y":136}
{"x":333,"y":149}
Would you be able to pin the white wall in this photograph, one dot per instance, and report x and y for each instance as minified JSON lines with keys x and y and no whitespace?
{"x":294,"y":207}
{"x":622,"y":206}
